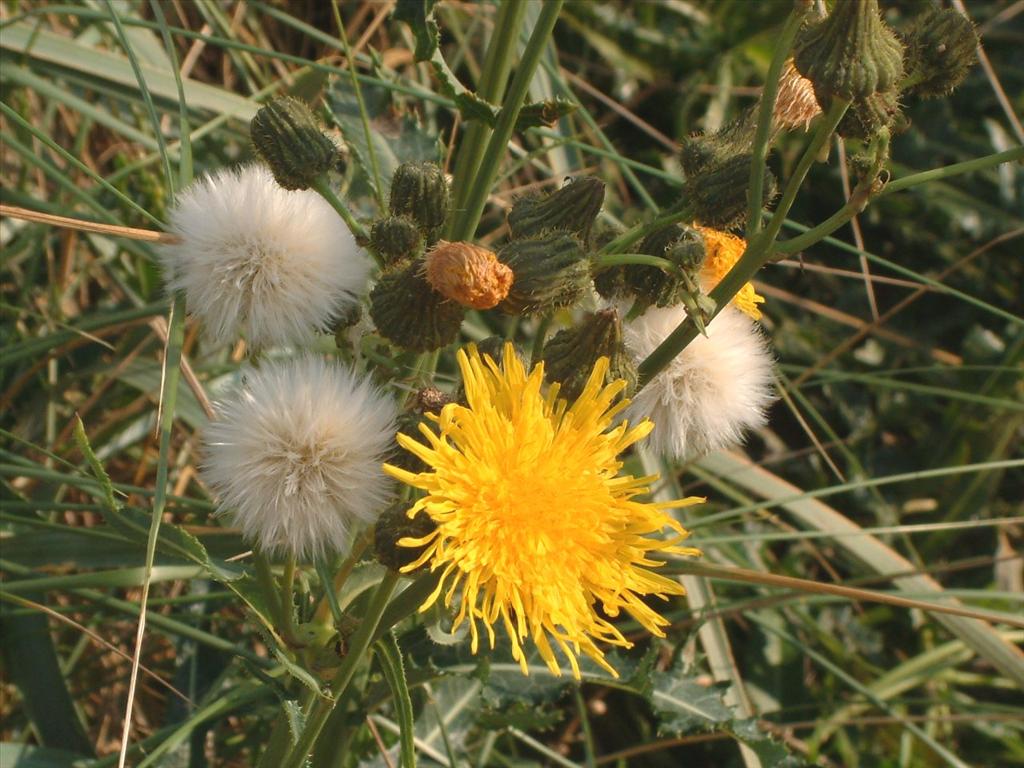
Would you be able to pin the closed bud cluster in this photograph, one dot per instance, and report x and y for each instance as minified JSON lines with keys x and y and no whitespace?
{"x":941,"y":47}
{"x":396,"y":239}
{"x":409,"y":313}
{"x":573,"y":208}
{"x":288,"y":138}
{"x":570,"y":356}
{"x":468,"y":274}
{"x":419,"y":191}
{"x":717,"y":197}
{"x":868,"y":116}
{"x":850,"y":54}
{"x":705,"y":151}
{"x":549,"y":272}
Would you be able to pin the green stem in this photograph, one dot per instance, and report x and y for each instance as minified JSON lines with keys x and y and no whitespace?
{"x":327,"y":606}
{"x":493,"y":79}
{"x":608,"y":260}
{"x":539,"y":339}
{"x":321,"y":185}
{"x":758,"y":252}
{"x":764,"y":117}
{"x":640,"y":231}
{"x":265,"y":578}
{"x":378,"y":185}
{"x":977,"y":164}
{"x":358,"y":649}
{"x":288,"y":600}
{"x":465,"y":225}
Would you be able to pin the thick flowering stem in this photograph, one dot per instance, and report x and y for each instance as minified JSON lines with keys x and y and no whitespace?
{"x":358,"y":649}
{"x":757,"y":254}
{"x":268,"y":585}
{"x":323,"y":187}
{"x":762,"y":137}
{"x":673,"y":215}
{"x":469,"y":217}
{"x":618,"y":259}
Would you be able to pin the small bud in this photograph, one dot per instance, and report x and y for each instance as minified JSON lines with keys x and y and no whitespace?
{"x":718,"y":196}
{"x":431,"y":400}
{"x":344,"y":322}
{"x":941,"y":47}
{"x":393,"y":526}
{"x":420,"y":191}
{"x":573,"y":208}
{"x":427,"y":400}
{"x":397,"y":239}
{"x":570,"y":355}
{"x":468,"y":274}
{"x":868,"y":116}
{"x":411,"y":314}
{"x":850,"y":54}
{"x":289,"y":139}
{"x":684,"y":247}
{"x":704,"y":151}
{"x":549,"y":272}
{"x":795,"y":104}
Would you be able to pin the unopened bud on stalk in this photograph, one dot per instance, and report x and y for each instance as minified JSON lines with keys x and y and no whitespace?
{"x":468,"y":274}
{"x":868,"y":116}
{"x":550,"y":271}
{"x":427,"y":400}
{"x":411,"y":314}
{"x":941,"y":48}
{"x":288,"y":138}
{"x":704,"y":151}
{"x":396,"y":239}
{"x":850,"y":54}
{"x":573,"y":208}
{"x":420,"y":191}
{"x":393,"y":526}
{"x":717,"y":197}
{"x":570,"y":356}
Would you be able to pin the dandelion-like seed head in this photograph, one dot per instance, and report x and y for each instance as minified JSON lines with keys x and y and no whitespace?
{"x":294,"y":456}
{"x":255,"y":259}
{"x":712,"y":392}
{"x":536,"y":529}
{"x":721,"y":252}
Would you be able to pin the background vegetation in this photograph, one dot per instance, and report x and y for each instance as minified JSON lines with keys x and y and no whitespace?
{"x":892,"y":460}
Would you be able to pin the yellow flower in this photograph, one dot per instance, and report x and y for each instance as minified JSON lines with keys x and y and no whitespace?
{"x":722,"y":251}
{"x":534,"y":525}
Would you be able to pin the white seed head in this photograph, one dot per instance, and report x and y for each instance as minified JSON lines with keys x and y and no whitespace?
{"x":259,"y":260}
{"x":712,"y":392}
{"x":294,"y":456}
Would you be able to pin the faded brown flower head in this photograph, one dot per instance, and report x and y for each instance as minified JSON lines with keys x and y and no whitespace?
{"x":467,"y":274}
{"x":795,"y":104}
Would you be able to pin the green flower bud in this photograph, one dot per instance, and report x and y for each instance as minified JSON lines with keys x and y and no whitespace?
{"x":849,"y":54}
{"x":703,"y":150}
{"x":570,"y":356}
{"x":427,"y":400}
{"x":684,"y":247}
{"x":867,"y":116}
{"x":289,"y":139}
{"x":412,"y":315}
{"x":549,"y":272}
{"x":718,"y":196}
{"x":941,"y":47}
{"x":573,"y":208}
{"x":393,"y":526}
{"x":420,"y":191}
{"x":397,"y":239}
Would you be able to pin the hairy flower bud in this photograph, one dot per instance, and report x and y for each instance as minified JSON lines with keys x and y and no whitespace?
{"x":941,"y":47}
{"x":393,"y":526}
{"x":867,"y":116}
{"x":397,"y":239}
{"x":550,"y":271}
{"x":704,"y":151}
{"x":684,"y":247}
{"x":570,"y":356}
{"x":420,"y":191}
{"x":289,"y":139}
{"x":411,"y":314}
{"x":573,"y":208}
{"x":849,"y":54}
{"x":718,"y":196}
{"x":468,"y":274}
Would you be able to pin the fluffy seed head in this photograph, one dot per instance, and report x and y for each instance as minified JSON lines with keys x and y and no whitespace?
{"x":712,"y":392}
{"x":468,"y":274}
{"x":294,"y":456}
{"x":255,"y":259}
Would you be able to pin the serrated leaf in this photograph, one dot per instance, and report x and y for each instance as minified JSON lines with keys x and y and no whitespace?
{"x":390,"y":657}
{"x":684,"y":705}
{"x":543,"y":113}
{"x":521,"y":715}
{"x":419,"y":15}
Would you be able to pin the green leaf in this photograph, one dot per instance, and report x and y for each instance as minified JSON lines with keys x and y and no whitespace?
{"x":419,"y":15}
{"x":685,"y":705}
{"x":390,"y":656}
{"x":27,"y":756}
